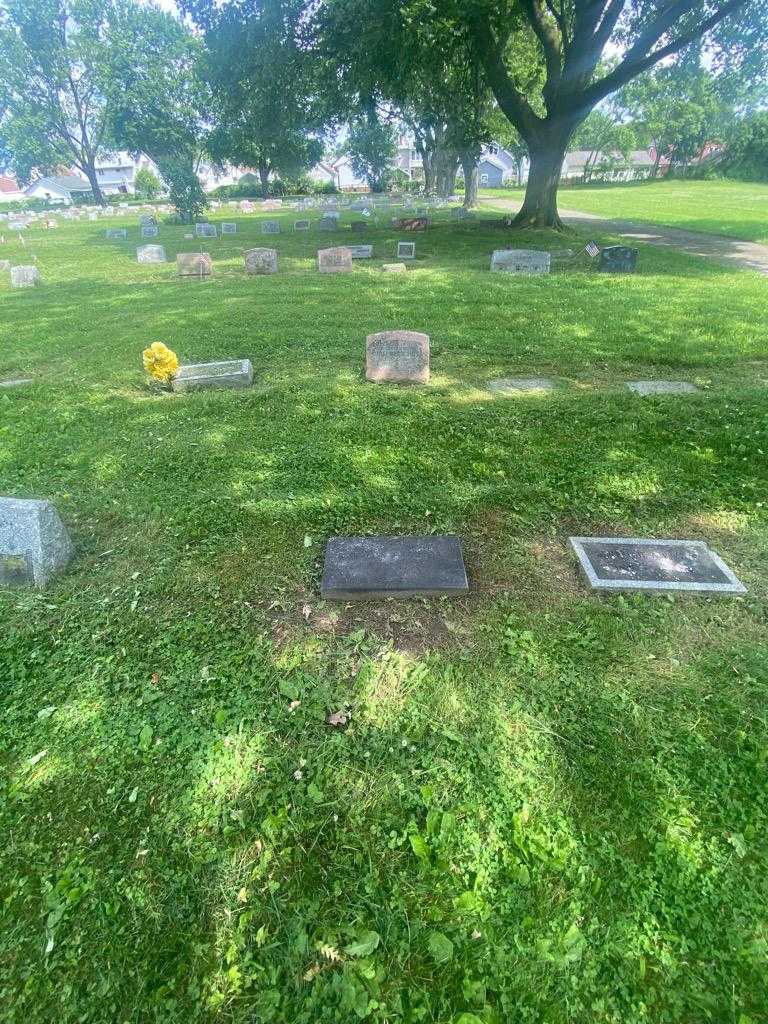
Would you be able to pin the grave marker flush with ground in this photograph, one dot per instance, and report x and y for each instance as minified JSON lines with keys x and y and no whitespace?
{"x":611,"y":563}
{"x":362,"y":568}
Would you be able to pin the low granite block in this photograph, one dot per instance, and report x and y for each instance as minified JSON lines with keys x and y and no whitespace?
{"x":150,"y":254}
{"x":270,"y":227}
{"x":395,"y":268}
{"x":662,"y":387}
{"x":227,"y":228}
{"x":406,"y":250}
{"x":34,"y":543}
{"x":149,"y":231}
{"x":520,"y":261}
{"x":328,"y":224}
{"x":205,"y":230}
{"x":234,"y":373}
{"x":362,"y":568}
{"x":194,"y":264}
{"x":619,"y":259}
{"x":18,"y":382}
{"x":24,"y":277}
{"x":361,"y":252}
{"x":611,"y":563}
{"x":520,"y":385}
{"x":335,"y":261}
{"x":261,"y":261}
{"x":302,"y":225}
{"x":116,"y":233}
{"x":359,"y":225}
{"x":400,"y":357}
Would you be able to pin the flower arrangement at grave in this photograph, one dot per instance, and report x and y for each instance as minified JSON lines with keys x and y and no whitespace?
{"x":160,"y":362}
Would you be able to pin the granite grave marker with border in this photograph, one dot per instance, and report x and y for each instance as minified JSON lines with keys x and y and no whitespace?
{"x":398,"y":357}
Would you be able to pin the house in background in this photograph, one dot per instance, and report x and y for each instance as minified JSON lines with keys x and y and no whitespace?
{"x":117,"y":175}
{"x":57,"y":188}
{"x":607,"y":166}
{"x":497,"y":167}
{"x":339,"y":173}
{"x":9,"y":190}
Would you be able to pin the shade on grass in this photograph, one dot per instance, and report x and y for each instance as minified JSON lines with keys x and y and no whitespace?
{"x":548,"y":805}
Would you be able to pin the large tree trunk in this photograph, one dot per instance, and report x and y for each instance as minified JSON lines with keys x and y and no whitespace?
{"x":93,"y":181}
{"x":469,"y":166}
{"x":264,"y":176}
{"x":539,"y":208}
{"x":446,"y":164}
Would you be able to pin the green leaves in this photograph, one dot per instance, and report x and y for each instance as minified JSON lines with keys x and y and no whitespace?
{"x":145,"y":737}
{"x":365,"y":945}
{"x":440,"y":947}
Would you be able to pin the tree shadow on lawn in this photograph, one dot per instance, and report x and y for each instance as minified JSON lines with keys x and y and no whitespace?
{"x":558,"y":781}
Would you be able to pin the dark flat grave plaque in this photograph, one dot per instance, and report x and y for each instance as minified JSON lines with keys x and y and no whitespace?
{"x":619,"y":259}
{"x":611,"y":563}
{"x":361,"y":568}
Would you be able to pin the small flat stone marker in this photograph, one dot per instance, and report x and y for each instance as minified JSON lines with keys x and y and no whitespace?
{"x":150,"y":254}
{"x":24,"y":277}
{"x":149,"y":231}
{"x":270,"y":227}
{"x":618,"y":259}
{"x":361,"y":252}
{"x":194,"y":264}
{"x":335,"y":261}
{"x":520,"y":385}
{"x":395,"y":268}
{"x":34,"y":543}
{"x":361,"y":568}
{"x":114,"y":233}
{"x":205,"y":230}
{"x":302,"y":225}
{"x":611,"y":563}
{"x":234,"y":373}
{"x":228,"y":228}
{"x":662,"y":387}
{"x":520,"y":261}
{"x":261,"y":261}
{"x":406,"y":250}
{"x":400,"y":357}
{"x":5,"y":265}
{"x":17,"y":383}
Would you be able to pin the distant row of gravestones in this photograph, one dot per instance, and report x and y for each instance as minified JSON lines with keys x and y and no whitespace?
{"x":148,"y":228}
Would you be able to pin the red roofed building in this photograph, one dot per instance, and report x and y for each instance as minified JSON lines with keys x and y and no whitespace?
{"x":9,"y":190}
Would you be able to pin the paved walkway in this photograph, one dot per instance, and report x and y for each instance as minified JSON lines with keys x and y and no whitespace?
{"x":733,"y":251}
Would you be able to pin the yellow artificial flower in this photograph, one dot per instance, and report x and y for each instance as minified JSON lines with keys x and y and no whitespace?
{"x":160,"y":362}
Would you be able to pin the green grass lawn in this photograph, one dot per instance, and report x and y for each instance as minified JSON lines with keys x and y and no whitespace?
{"x":735,"y":208}
{"x":548,"y":806}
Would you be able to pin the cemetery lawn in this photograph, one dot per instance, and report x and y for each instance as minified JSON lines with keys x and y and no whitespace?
{"x":735,"y":208}
{"x":548,"y":805}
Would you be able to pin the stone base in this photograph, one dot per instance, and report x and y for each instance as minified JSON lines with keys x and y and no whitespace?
{"x":362,"y":568}
{"x":236,"y":373}
{"x":34,"y":543}
{"x":520,"y":385}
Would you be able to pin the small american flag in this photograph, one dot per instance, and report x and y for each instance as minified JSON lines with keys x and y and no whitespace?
{"x":592,"y":249}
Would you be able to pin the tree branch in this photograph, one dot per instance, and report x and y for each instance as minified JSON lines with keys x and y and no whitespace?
{"x":551,"y":44}
{"x":512,"y":102}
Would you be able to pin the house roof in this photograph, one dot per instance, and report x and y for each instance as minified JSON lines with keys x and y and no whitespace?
{"x":64,"y":182}
{"x":8,"y":184}
{"x":489,"y":158}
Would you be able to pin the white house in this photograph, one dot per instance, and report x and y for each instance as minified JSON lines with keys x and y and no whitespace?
{"x":339,"y":173}
{"x":57,"y":188}
{"x":9,"y":190}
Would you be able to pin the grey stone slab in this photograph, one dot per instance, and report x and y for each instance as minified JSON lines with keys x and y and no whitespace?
{"x":270,"y":227}
{"x":5,"y":265}
{"x":150,"y":254}
{"x":24,"y":277}
{"x":149,"y":231}
{"x":228,"y":228}
{"x":662,"y":387}
{"x":335,"y":261}
{"x":359,"y":225}
{"x":328,"y":224}
{"x":406,"y":250}
{"x":233,"y":373}
{"x":17,"y":383}
{"x":520,"y":261}
{"x":116,"y":233}
{"x":360,"y":568}
{"x":261,"y":261}
{"x":206,"y":230}
{"x":34,"y":543}
{"x":302,"y":225}
{"x":611,"y":563}
{"x":520,"y":385}
{"x":400,"y":357}
{"x":619,"y":259}
{"x":361,"y":252}
{"x":395,"y":268}
{"x":194,"y":264}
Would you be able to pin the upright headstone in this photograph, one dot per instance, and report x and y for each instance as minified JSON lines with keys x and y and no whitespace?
{"x":270,"y":227}
{"x":150,"y":254}
{"x":302,"y":225}
{"x":520,"y":261}
{"x":361,"y":252}
{"x":194,"y":264}
{"x":406,"y":250}
{"x":205,"y":230}
{"x":115,"y":233}
{"x":412,"y":223}
{"x":397,"y":356}
{"x":619,"y":259}
{"x":335,"y":261}
{"x":34,"y":543}
{"x":328,"y":223}
{"x":228,"y":228}
{"x":149,"y":231}
{"x":24,"y":277}
{"x":261,"y":261}
{"x":359,"y":225}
